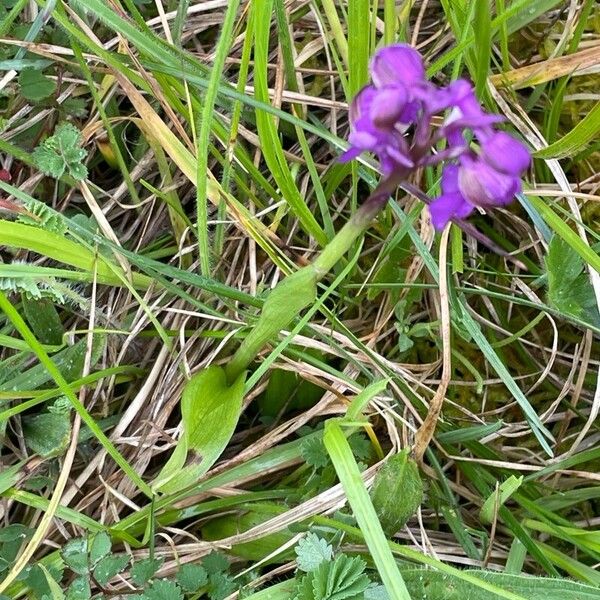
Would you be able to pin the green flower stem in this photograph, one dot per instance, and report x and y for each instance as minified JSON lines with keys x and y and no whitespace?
{"x":299,"y":290}
{"x":358,"y":223}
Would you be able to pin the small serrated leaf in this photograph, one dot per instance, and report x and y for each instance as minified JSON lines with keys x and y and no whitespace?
{"x":313,"y":452}
{"x":47,"y":434}
{"x":304,"y":588}
{"x":110,"y":566}
{"x":342,"y":579}
{"x":67,"y":137}
{"x":100,"y":547}
{"x":79,"y":589}
{"x":75,"y":555}
{"x":192,"y":577}
{"x":311,"y":551}
{"x":162,"y":589}
{"x":74,"y":154}
{"x":220,"y":585}
{"x":361,"y":446}
{"x":49,"y":162}
{"x":35,"y":85}
{"x":143,"y":570}
{"x":215,"y":562}
{"x":77,"y":171}
{"x":62,"y":150}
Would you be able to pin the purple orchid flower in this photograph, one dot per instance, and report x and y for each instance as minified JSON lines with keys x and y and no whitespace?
{"x":392,"y":117}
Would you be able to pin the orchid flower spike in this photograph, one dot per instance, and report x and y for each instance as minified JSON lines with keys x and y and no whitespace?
{"x":392,"y":117}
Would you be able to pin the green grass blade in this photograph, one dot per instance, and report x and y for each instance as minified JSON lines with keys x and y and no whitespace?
{"x":483,"y":44}
{"x":359,"y":18}
{"x":270,"y":142}
{"x":576,"y":139}
{"x":347,"y":470}
{"x":206,"y":120}
{"x":562,"y":229}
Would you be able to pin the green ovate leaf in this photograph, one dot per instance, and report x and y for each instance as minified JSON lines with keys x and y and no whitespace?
{"x":100,"y":547}
{"x":39,"y":580}
{"x":43,"y":319}
{"x":75,"y":555}
{"x":311,"y":551}
{"x":14,"y":532}
{"x":79,"y":589}
{"x":53,"y":586}
{"x":210,"y":409}
{"x":35,"y":85}
{"x":47,"y":434}
{"x":397,"y":492}
{"x":576,"y":139}
{"x":109,"y":566}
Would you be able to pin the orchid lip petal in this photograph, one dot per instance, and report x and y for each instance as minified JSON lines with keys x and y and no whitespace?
{"x":447,"y":207}
{"x":363,"y":139}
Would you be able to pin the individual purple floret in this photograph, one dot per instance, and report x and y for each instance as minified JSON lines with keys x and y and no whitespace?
{"x":392,"y":117}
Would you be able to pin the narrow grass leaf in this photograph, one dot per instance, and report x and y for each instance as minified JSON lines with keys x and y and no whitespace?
{"x":269,"y":137}
{"x":505,"y":491}
{"x":359,"y":17}
{"x":540,"y":432}
{"x":576,"y":139}
{"x":548,"y":70}
{"x":347,"y":470}
{"x":428,"y":584}
{"x":561,"y":228}
{"x":483,"y":43}
{"x":58,"y":247}
{"x":206,"y":120}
